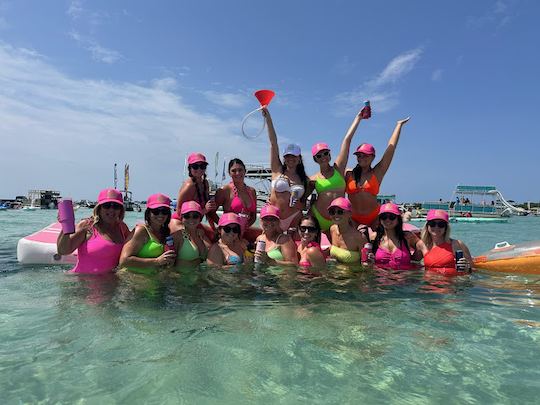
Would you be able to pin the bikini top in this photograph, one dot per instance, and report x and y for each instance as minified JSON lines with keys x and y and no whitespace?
{"x":370,"y":186}
{"x":282,"y":185}
{"x":237,"y":205}
{"x":400,"y":256}
{"x":440,"y":256}
{"x":334,"y":182}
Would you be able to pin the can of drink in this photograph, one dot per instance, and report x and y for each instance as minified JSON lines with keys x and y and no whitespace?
{"x":295,"y":195}
{"x":459,"y":255}
{"x":366,"y":111}
{"x":261,"y":247}
{"x":169,"y":243}
{"x":368,"y":247}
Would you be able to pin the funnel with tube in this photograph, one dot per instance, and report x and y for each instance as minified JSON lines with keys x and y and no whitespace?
{"x":264,"y":96}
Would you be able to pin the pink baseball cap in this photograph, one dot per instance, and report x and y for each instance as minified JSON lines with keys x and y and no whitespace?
{"x":437,"y":214}
{"x":110,"y":195}
{"x":342,"y":203}
{"x":158,"y":200}
{"x":190,"y":206}
{"x":318,"y":147}
{"x":228,"y":218}
{"x":195,"y":158}
{"x":269,"y":211}
{"x":390,"y":208}
{"x":366,"y":149}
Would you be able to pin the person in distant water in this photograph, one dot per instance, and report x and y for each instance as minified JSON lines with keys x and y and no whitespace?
{"x":330,"y":181}
{"x":363,"y":182}
{"x":290,"y":184}
{"x":196,"y":188}
{"x":347,"y":240}
{"x":391,"y":246}
{"x":145,"y":251}
{"x":439,"y":249}
{"x":230,"y":247}
{"x":239,"y":198}
{"x":191,"y":242}
{"x":280,"y":248}
{"x":99,"y":239}
{"x":309,"y":248}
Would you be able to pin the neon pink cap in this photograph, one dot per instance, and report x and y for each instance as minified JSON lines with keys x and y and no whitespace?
{"x":158,"y":200}
{"x":366,"y":149}
{"x":437,"y":214}
{"x":110,"y":195}
{"x":318,"y":147}
{"x":270,"y":211}
{"x":228,"y":218}
{"x":190,"y":206}
{"x":342,"y":203}
{"x":195,"y":158}
{"x":390,"y":208}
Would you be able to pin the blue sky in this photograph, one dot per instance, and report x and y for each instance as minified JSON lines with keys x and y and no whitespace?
{"x":85,"y":84}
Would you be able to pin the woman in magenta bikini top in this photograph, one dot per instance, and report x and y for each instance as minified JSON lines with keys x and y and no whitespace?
{"x":99,"y":239}
{"x":391,"y":245}
{"x":309,"y":248}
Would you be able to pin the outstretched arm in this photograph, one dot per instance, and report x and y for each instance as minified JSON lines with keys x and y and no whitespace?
{"x":384,"y":164}
{"x":275,"y":162}
{"x":343,"y":157}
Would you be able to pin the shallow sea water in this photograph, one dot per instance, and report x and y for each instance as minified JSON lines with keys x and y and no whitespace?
{"x":243,"y":336}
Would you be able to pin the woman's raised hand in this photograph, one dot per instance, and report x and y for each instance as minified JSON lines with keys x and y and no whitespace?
{"x":403,"y":121}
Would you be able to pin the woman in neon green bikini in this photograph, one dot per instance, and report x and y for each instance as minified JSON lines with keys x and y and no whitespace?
{"x":280,"y":248}
{"x":144,"y":253}
{"x":190,"y":241}
{"x":330,"y":181}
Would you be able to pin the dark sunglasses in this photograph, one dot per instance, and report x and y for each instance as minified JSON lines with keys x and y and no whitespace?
{"x":321,"y":154}
{"x":160,"y":211}
{"x":233,"y":229}
{"x":310,"y":229}
{"x":112,"y":205}
{"x":386,"y":216}
{"x":191,"y":215}
{"x":334,"y":211}
{"x":197,"y":166}
{"x":439,"y":224}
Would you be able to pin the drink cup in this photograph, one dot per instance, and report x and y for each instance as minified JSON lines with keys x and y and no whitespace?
{"x":368,"y":247}
{"x":366,"y":111}
{"x":66,"y":215}
{"x":169,"y":243}
{"x":261,"y":247}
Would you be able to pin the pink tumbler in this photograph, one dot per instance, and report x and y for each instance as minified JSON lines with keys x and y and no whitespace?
{"x":66,"y":215}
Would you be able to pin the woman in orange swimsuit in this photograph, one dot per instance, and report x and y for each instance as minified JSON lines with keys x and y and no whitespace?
{"x":363,"y":182}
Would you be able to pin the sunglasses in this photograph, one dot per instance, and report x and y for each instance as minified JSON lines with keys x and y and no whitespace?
{"x":191,"y":215}
{"x":336,"y":211}
{"x":233,"y":229}
{"x":160,"y":211}
{"x":197,"y":166}
{"x":270,"y":218}
{"x":439,"y":224}
{"x":113,"y":205}
{"x":386,"y":216}
{"x":310,"y":229}
{"x":321,"y":154}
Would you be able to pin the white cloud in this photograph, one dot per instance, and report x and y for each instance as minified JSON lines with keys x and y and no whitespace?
{"x":499,"y":14}
{"x":99,"y":53}
{"x":75,"y":9}
{"x":228,"y":100}
{"x":437,"y":75}
{"x":397,"y":68}
{"x":67,"y":133}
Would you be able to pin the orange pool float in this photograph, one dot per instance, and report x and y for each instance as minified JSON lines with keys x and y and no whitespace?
{"x":506,"y":258}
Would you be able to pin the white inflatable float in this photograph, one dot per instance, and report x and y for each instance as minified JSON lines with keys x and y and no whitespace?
{"x":40,"y":248}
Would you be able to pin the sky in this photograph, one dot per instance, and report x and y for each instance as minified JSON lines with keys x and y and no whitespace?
{"x":86,"y":84}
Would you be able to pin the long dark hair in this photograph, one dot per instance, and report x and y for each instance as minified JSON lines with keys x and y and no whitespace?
{"x":236,"y":161}
{"x":357,"y":172}
{"x":300,"y":171}
{"x":399,"y":233}
{"x":204,"y":195}
{"x":308,"y":217}
{"x":164,"y":230}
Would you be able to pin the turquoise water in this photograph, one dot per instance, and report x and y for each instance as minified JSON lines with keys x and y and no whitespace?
{"x":239,"y":336}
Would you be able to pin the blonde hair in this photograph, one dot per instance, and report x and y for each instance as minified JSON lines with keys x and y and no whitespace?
{"x":97,"y":218}
{"x":428,"y":240}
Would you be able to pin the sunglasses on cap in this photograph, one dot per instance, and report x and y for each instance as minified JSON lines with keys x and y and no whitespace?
{"x":438,"y":224}
{"x":310,"y":229}
{"x":386,"y":216}
{"x":160,"y":211}
{"x":233,"y":229}
{"x":321,"y":154}
{"x":113,"y":205}
{"x":197,"y":166}
{"x":335,"y":211}
{"x":191,"y":215}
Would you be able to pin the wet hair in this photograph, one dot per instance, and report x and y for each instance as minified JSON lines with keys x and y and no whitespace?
{"x":308,"y":217}
{"x":428,"y":240}
{"x":301,"y":172}
{"x":236,"y":161}
{"x":164,"y":230}
{"x":204,"y":195}
{"x":399,"y":233}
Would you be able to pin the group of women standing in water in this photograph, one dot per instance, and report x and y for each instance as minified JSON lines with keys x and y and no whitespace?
{"x":345,"y":212}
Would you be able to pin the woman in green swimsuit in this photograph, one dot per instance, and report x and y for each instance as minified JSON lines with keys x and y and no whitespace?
{"x":330,"y":181}
{"x":190,"y":241}
{"x":280,"y":248}
{"x":144,"y":252}
{"x":347,"y":241}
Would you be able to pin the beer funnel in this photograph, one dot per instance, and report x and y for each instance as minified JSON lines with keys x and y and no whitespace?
{"x":264,"y":97}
